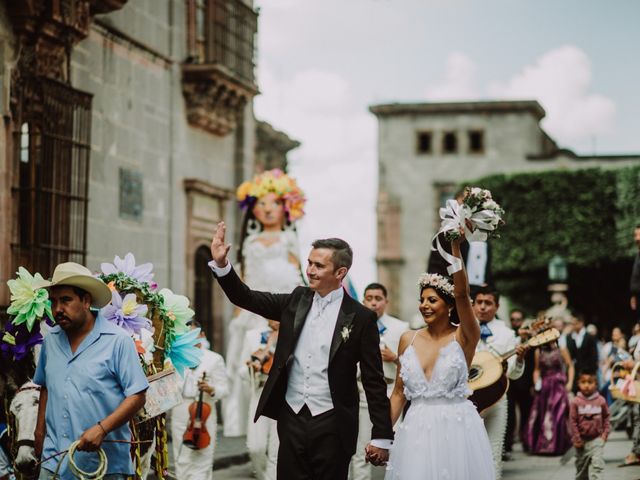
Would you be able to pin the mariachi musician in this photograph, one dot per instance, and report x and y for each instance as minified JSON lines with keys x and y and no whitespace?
{"x":207,"y":383}
{"x":262,"y":436}
{"x":497,"y":338}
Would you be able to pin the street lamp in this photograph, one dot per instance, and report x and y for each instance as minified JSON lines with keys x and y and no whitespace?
{"x":558,"y":276}
{"x":557,"y":270}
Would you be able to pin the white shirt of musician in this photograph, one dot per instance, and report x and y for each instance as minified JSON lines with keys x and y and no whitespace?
{"x":500,"y":342}
{"x":309,"y":371}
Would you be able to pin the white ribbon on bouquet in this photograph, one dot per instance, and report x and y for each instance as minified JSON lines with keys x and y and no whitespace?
{"x":454,"y":216}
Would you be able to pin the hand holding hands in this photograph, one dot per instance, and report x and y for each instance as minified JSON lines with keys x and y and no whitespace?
{"x":220,"y":250}
{"x":376,"y":456}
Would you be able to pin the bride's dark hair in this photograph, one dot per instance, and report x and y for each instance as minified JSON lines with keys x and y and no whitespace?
{"x":444,"y":289}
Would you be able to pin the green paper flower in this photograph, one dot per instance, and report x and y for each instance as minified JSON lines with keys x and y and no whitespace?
{"x":177,"y":308}
{"x":28,"y":303}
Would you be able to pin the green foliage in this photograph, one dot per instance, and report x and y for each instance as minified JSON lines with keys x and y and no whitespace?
{"x":563,"y":213}
{"x":586,"y":216}
{"x":627,"y":206}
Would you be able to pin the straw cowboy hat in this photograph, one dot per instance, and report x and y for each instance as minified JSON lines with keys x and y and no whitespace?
{"x":72,"y":274}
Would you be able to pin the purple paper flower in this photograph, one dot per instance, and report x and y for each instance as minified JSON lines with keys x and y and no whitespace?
{"x":126,"y":313}
{"x":17,"y":341}
{"x":142,"y":273}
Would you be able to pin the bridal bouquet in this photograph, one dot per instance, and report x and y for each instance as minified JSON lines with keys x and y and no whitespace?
{"x":479,"y":216}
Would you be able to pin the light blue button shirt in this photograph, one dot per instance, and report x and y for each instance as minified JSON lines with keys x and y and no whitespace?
{"x":85,"y":387}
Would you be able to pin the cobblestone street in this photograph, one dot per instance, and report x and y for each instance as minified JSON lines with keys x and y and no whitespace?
{"x":522,"y":467}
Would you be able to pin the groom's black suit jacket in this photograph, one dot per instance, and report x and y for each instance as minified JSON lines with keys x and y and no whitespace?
{"x":362,"y":345}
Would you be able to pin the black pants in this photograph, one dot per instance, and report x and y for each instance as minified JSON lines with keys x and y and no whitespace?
{"x":523,"y":400}
{"x":310,"y":447}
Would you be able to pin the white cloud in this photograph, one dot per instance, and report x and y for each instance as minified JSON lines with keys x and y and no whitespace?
{"x":561,"y":81}
{"x":459,"y":80}
{"x":336,"y":163}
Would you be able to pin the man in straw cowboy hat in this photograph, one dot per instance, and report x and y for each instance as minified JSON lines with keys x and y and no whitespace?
{"x":91,"y":378}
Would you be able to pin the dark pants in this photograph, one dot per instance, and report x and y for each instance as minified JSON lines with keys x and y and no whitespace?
{"x":522,"y":399}
{"x":310,"y":447}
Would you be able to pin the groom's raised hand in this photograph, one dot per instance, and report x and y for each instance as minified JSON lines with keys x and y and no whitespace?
{"x":220,"y":250}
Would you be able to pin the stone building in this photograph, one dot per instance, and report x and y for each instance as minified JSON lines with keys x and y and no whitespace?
{"x":425,"y":150}
{"x":127,"y":126}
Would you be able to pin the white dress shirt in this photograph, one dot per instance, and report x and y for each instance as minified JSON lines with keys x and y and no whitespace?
{"x":309,"y":371}
{"x":578,"y":337}
{"x":501,"y":341}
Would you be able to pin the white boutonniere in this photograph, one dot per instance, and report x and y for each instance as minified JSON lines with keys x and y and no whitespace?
{"x":345,"y":332}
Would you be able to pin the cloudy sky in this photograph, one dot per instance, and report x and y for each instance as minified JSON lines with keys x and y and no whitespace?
{"x":321,"y":63}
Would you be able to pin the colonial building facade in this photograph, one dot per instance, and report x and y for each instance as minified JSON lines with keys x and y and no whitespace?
{"x":127,"y":125}
{"x":425,"y":150}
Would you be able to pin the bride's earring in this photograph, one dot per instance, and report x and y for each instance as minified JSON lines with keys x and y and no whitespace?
{"x":253,"y":227}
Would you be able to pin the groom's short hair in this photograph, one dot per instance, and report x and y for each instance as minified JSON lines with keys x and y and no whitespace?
{"x":342,"y":253}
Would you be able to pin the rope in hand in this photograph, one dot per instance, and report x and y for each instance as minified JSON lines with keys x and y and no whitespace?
{"x":77,"y":472}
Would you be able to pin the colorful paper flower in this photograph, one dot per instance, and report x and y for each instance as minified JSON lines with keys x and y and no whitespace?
{"x":183,"y":352}
{"x":145,"y":345}
{"x":273,"y":181}
{"x":18,"y":340}
{"x":28,"y":303}
{"x":141,"y":273}
{"x":177,"y":307}
{"x":126,"y":312}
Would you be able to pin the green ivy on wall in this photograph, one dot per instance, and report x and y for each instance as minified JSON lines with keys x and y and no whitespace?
{"x":586,"y":216}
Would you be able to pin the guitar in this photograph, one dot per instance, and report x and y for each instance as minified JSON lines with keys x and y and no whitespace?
{"x":487,"y":373}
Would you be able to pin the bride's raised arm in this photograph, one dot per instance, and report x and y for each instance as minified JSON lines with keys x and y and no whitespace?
{"x":468,"y":333}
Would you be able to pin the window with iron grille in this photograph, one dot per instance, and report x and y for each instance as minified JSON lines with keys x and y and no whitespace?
{"x":222,"y":32}
{"x":51,"y":178}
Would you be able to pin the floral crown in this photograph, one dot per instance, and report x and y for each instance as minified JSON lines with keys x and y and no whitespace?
{"x":436,"y":281}
{"x":273,"y":181}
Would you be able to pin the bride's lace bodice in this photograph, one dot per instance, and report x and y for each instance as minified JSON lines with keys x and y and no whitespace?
{"x":448,"y":379}
{"x":267,"y":267}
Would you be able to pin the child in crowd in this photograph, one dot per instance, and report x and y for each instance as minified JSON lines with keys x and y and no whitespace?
{"x":589,"y":417}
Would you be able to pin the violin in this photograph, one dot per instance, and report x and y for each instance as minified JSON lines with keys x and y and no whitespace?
{"x":196,"y":437}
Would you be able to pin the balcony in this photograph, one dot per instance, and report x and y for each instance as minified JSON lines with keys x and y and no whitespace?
{"x":218,"y":77}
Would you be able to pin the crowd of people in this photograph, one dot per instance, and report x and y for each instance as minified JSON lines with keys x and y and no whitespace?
{"x":326,"y":387}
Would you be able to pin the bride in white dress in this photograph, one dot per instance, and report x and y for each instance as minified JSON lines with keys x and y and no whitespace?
{"x":269,"y":260}
{"x":442,"y":437}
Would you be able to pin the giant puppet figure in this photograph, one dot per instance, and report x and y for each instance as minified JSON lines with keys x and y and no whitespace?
{"x":269,"y":260}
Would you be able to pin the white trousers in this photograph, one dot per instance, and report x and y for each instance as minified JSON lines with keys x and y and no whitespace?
{"x":359,"y":469}
{"x":192,"y":464}
{"x":262,"y":442}
{"x":495,"y":421}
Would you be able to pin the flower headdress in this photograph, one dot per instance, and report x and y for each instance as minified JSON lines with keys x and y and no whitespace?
{"x":273,"y":181}
{"x":436,"y":281}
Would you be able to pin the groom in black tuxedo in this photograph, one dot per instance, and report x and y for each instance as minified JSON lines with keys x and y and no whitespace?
{"x":312,"y":390}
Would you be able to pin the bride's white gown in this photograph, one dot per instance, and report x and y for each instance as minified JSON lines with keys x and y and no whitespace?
{"x":442,"y":437}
